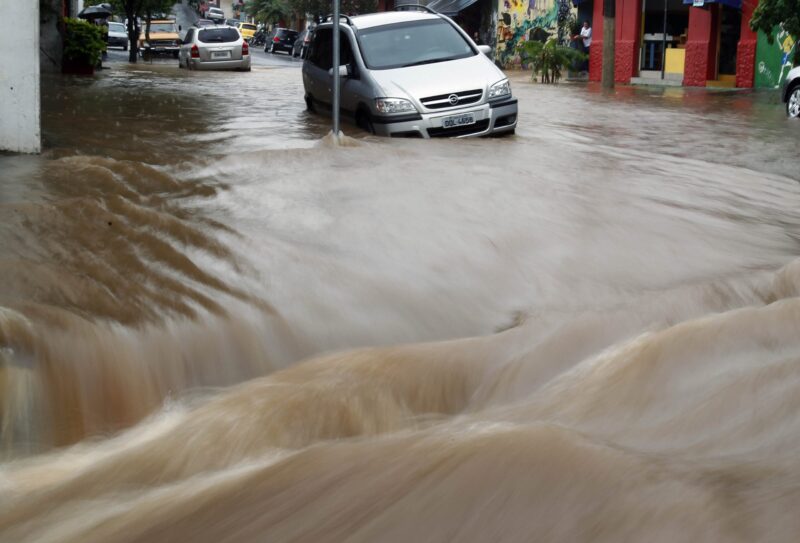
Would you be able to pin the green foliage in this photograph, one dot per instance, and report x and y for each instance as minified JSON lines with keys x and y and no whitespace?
{"x":271,"y":11}
{"x":83,"y":42}
{"x":548,"y":59}
{"x":771,"y":13}
{"x":268,"y":11}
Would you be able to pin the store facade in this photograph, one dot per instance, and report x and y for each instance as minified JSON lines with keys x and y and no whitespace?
{"x":696,"y":43}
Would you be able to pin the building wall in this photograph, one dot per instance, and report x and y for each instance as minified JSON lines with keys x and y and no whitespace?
{"x":773,"y":61}
{"x":515,"y":21}
{"x":19,"y":79}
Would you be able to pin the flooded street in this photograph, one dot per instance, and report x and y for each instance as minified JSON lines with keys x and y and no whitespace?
{"x":217,"y":326}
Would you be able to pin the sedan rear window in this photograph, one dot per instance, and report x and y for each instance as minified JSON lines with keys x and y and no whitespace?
{"x":116,"y":27}
{"x":249,"y":27}
{"x":218,"y":35}
{"x":287,"y":34}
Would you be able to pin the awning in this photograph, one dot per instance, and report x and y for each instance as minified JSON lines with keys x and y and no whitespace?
{"x":450,"y":7}
{"x":735,"y":4}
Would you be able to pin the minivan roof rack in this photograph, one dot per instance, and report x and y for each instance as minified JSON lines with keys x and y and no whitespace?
{"x":409,"y":7}
{"x":341,"y":16}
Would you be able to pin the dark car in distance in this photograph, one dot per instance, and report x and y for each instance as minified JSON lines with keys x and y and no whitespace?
{"x":301,"y":43}
{"x":281,"y":39}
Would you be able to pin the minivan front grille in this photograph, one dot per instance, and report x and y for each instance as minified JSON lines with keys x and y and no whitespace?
{"x":454,"y":99}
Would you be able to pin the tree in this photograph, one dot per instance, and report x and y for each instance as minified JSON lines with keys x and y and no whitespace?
{"x":771,"y":13}
{"x":133,"y":11}
{"x":269,"y":11}
{"x":275,"y":10}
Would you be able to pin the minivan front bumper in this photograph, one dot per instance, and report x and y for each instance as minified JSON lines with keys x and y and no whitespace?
{"x":490,"y":118}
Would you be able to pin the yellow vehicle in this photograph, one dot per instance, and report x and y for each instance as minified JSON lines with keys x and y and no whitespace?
{"x":164,"y":38}
{"x":247,"y":30}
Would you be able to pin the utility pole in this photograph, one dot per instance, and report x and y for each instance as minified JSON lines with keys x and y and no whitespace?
{"x":609,"y":36}
{"x":335,"y":71}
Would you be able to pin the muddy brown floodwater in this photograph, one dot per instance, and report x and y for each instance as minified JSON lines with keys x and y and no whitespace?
{"x":586,"y":332}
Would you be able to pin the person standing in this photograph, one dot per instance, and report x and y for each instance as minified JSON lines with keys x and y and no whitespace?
{"x":586,"y":36}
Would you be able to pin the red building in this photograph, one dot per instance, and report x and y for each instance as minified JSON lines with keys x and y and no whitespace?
{"x":707,"y":43}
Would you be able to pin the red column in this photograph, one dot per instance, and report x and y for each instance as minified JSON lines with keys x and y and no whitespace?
{"x":596,"y":50}
{"x":701,"y":46}
{"x":746,"y":50}
{"x":628,"y":30}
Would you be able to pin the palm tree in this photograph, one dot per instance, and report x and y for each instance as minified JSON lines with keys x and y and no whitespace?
{"x":549,"y":58}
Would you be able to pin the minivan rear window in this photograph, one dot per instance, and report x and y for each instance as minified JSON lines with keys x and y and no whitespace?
{"x":218,"y":35}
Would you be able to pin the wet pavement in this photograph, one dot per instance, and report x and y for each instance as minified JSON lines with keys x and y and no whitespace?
{"x":588,"y":331}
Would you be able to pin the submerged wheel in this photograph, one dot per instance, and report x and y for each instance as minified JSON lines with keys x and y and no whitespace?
{"x":793,"y":103}
{"x":364,"y":122}
{"x":309,"y":103}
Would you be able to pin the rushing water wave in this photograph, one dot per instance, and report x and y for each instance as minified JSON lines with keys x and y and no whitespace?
{"x":558,"y":338}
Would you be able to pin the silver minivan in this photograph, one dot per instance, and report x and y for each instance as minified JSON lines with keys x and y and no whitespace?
{"x":410,"y":74}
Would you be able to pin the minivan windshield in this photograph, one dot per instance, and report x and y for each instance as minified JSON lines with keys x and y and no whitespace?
{"x":412,"y":44}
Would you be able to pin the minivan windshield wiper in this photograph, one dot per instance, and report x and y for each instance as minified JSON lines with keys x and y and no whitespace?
{"x":430,"y":61}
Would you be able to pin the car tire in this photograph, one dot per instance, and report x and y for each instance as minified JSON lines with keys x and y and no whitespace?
{"x":175,"y":54}
{"x":364,"y":122}
{"x":124,"y":47}
{"x":793,"y":102}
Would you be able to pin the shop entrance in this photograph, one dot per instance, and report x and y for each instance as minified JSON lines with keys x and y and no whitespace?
{"x":665,"y":26}
{"x":730,"y":29}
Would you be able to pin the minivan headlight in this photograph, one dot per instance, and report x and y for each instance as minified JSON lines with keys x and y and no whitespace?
{"x":499,"y":89}
{"x":390,"y":106}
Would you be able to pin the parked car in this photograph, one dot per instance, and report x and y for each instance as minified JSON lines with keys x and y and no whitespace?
{"x":301,"y":43}
{"x":214,"y":48}
{"x":410,"y":74}
{"x":281,"y":39}
{"x":247,"y":30}
{"x":791,"y":93}
{"x":200,"y":23}
{"x":117,"y":35}
{"x":232,"y":22}
{"x":164,"y":38}
{"x":216,"y":15}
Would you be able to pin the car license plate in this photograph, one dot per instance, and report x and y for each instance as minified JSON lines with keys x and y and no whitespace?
{"x":458,"y":120}
{"x":220,"y":54}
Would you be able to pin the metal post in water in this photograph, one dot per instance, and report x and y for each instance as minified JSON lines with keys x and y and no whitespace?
{"x":336,"y":71}
{"x":664,"y":44}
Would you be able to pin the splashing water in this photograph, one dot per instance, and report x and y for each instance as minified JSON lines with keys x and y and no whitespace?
{"x":559,"y":337}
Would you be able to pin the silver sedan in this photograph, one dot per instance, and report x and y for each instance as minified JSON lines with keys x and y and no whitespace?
{"x":214,"y":48}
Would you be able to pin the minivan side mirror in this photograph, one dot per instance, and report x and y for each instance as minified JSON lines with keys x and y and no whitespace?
{"x":485,"y":49}
{"x":345,"y":70}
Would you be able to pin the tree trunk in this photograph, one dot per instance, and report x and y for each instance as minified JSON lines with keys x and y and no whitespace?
{"x":133,"y":35}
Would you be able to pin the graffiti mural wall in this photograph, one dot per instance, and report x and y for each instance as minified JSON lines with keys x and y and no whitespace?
{"x":518,"y":21}
{"x":773,"y":61}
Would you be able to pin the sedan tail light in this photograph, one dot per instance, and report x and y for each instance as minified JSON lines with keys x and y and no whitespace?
{"x":245,"y":48}
{"x":276,"y":39}
{"x":195,"y":51}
